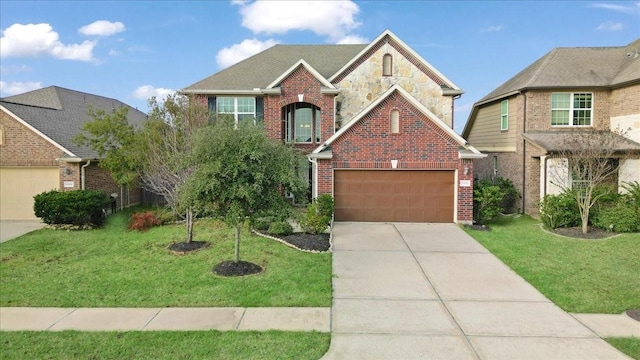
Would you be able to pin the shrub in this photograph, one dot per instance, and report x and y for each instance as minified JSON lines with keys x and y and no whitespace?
{"x":620,"y":216}
{"x":165,"y":216}
{"x":325,"y":205}
{"x":143,"y":221}
{"x":77,"y":207}
{"x":486,"y":201}
{"x":262,"y":224}
{"x":509,"y":194}
{"x":559,"y":211}
{"x":313,"y":221}
{"x":280,"y":228}
{"x":633,"y":191}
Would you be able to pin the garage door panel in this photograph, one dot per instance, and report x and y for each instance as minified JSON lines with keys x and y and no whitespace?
{"x":18,"y":186}
{"x":394,"y":195}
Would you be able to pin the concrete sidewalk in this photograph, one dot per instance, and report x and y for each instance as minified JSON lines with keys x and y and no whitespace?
{"x":147,"y":319}
{"x":416,"y":291}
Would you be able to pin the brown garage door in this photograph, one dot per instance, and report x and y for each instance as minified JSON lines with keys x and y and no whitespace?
{"x":398,"y":195}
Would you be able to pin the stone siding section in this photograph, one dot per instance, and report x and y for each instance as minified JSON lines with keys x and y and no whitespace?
{"x":362,"y":84}
{"x":420,"y":145}
{"x":23,"y":147}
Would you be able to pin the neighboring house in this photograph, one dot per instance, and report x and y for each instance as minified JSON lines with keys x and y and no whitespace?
{"x":374,"y":120}
{"x":521,"y":125}
{"x":37,"y":153}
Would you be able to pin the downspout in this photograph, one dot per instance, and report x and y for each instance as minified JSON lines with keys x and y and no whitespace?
{"x":453,"y":100}
{"x":83,"y":175}
{"x":314,"y":187}
{"x":524,"y":155}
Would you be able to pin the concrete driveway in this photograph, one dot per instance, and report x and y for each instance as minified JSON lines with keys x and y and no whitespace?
{"x":11,"y":229}
{"x":429,"y":291}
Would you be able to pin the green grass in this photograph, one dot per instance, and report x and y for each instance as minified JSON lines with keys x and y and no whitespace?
{"x":629,"y":346}
{"x":581,"y":276}
{"x":163,"y":345}
{"x":115,"y":267}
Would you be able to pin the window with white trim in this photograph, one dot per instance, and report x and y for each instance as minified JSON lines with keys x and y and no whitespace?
{"x":571,"y":109}
{"x":302,"y":123}
{"x":245,"y":109}
{"x":504,"y":115}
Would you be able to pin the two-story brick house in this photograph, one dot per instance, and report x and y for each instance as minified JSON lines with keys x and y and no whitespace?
{"x":374,"y":121}
{"x":37,"y":153}
{"x":521,"y":124}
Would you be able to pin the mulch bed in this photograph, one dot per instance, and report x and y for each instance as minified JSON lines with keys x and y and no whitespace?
{"x":184,"y":248}
{"x":240,"y":268}
{"x":311,"y":242}
{"x":576,"y":232}
{"x":634,"y":314}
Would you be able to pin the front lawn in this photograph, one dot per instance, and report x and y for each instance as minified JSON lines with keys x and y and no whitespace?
{"x":164,"y":345}
{"x":115,"y":267}
{"x":580,"y":276}
{"x":629,"y":346}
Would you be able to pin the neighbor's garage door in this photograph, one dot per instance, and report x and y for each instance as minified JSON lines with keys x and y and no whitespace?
{"x":19,"y":185}
{"x":398,"y":195}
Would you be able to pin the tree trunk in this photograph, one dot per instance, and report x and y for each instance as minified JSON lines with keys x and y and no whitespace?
{"x":237,"y":251}
{"x":189,"y":223}
{"x":585,"y":222}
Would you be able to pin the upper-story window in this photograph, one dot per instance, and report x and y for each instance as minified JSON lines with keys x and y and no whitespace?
{"x":394,"y":121}
{"x":302,"y":123}
{"x":504,"y":115}
{"x":244,"y":109}
{"x":387,"y":65}
{"x":571,"y":109}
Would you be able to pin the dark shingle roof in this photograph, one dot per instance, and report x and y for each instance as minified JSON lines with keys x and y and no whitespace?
{"x":59,"y":114}
{"x":575,"y":67}
{"x":555,"y":141}
{"x":263,"y":68}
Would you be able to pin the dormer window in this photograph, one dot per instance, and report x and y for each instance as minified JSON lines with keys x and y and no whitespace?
{"x":387,"y":62}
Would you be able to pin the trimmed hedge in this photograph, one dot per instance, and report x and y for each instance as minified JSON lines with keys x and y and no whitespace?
{"x":77,"y":207}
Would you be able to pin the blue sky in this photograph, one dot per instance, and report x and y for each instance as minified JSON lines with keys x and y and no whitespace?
{"x":131,"y":50}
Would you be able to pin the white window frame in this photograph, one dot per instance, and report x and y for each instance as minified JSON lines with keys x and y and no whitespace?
{"x":504,"y":115}
{"x":236,"y":113}
{"x":571,"y":109}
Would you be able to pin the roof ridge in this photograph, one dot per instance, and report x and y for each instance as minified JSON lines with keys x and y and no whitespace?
{"x":545,"y":62}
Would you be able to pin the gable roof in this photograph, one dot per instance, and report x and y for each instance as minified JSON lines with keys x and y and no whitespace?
{"x":308,"y":67}
{"x":472,"y":152}
{"x":578,"y":67}
{"x":262,"y":69}
{"x":57,"y":114}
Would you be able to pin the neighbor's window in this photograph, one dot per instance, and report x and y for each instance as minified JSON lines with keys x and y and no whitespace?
{"x":571,"y":109}
{"x":386,"y":65}
{"x":395,"y":121}
{"x":244,"y":109}
{"x":504,"y":115}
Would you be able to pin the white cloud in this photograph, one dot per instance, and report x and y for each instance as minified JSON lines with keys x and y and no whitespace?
{"x":14,"y":69}
{"x":492,"y":28}
{"x":352,"y":39}
{"x":632,"y":8}
{"x":334,"y":19}
{"x":146,"y":92}
{"x":102,"y":28}
{"x":238,"y":52}
{"x":16,"y":87}
{"x":610,"y":26}
{"x":33,"y":40}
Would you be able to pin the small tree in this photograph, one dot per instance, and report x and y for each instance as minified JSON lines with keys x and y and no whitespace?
{"x":242,"y":174}
{"x":591,"y":158}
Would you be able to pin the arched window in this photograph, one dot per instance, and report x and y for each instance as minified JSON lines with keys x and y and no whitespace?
{"x":394,"y":120}
{"x":301,"y":123}
{"x":387,"y":65}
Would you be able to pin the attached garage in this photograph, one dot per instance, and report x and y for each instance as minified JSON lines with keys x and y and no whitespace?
{"x":18,"y":186}
{"x":394,"y":195}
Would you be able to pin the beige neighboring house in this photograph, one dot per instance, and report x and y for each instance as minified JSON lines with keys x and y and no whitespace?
{"x":37,"y":153}
{"x":521,"y":124}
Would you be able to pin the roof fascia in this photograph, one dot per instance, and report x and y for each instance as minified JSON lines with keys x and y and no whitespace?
{"x":38,"y":132}
{"x":532,"y":142}
{"x":309,"y":68}
{"x":407,"y":48}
